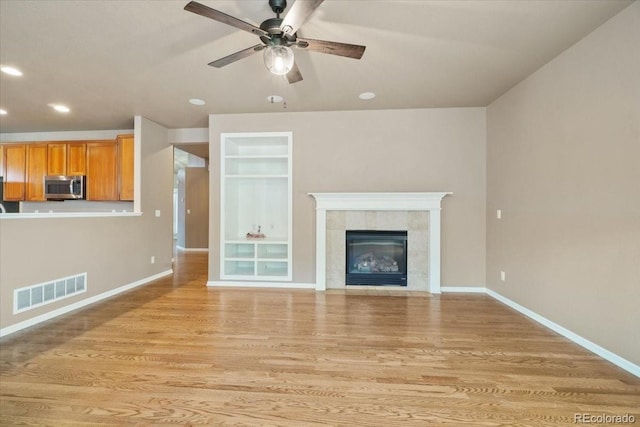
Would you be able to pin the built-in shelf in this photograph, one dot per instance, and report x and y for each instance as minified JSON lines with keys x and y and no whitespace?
{"x":256,"y":194}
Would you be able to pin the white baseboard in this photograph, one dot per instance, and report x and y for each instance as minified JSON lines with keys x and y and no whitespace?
{"x":180,"y":248}
{"x":464,"y":289}
{"x":289,"y":285}
{"x":71,"y":307}
{"x":583,"y":342}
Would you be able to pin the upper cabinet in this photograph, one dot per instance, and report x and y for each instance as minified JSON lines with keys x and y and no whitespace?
{"x":102,"y":170}
{"x":14,"y":164}
{"x":66,"y":158}
{"x":76,"y":158}
{"x":125,"y":163}
{"x":57,"y":158}
{"x":35,"y":172}
{"x":108,"y":166}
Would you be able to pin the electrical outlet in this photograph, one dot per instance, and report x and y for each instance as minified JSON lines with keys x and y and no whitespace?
{"x":158,"y":212}
{"x":153,"y":260}
{"x":503,"y":276}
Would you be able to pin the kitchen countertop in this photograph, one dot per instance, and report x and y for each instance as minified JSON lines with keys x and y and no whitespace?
{"x":66,"y":215}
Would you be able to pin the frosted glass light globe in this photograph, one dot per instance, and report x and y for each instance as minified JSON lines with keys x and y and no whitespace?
{"x":278,"y":59}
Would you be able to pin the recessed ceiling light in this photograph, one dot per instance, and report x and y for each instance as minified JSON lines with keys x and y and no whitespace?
{"x":60,"y":108}
{"x":367,"y":95}
{"x":196,"y":101}
{"x":274,"y":99}
{"x":3,"y":112}
{"x":11,"y":71}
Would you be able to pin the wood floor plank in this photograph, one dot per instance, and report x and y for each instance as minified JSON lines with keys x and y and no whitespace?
{"x":177,"y":352}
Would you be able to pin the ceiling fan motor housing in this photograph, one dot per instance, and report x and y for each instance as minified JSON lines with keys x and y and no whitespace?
{"x":275,"y":36}
{"x":278,"y":6}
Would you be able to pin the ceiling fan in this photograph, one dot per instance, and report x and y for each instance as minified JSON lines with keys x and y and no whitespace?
{"x":278,"y":36}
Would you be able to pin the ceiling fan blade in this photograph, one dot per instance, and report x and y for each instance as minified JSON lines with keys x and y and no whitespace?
{"x":298,"y":15}
{"x":294,"y":75}
{"x":332,"y":48}
{"x":218,"y":63}
{"x":216,"y":15}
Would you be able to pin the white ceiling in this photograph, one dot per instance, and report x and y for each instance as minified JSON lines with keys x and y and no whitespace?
{"x":110,"y":60}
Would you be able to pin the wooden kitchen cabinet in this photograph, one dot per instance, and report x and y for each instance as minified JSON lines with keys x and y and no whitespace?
{"x":36,"y":169}
{"x":125,"y":163}
{"x":66,"y":158}
{"x":14,"y":165}
{"x":76,"y":158}
{"x":102,"y":170}
{"x":57,"y":158}
{"x":107,"y":164}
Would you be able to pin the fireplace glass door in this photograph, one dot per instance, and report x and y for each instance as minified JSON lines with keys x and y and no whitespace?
{"x":376,"y":258}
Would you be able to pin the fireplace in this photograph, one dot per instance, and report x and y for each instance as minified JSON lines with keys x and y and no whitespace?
{"x":376,"y":257}
{"x":418,"y":213}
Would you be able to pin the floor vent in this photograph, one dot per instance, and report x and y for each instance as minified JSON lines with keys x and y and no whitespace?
{"x":45,"y":293}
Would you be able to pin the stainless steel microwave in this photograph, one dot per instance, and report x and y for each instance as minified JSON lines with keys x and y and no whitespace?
{"x":64,"y":187}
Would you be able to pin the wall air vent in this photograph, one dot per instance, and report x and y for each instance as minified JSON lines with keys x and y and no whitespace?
{"x":45,"y":293}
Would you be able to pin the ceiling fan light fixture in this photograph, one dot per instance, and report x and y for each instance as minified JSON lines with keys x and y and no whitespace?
{"x":278,"y":59}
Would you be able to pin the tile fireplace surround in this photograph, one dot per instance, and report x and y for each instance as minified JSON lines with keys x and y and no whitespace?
{"x":418,"y":213}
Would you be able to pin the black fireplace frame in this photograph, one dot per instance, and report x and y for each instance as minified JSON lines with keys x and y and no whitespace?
{"x":378,"y":278}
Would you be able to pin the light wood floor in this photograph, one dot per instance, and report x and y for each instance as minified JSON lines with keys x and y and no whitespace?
{"x":175,"y":352}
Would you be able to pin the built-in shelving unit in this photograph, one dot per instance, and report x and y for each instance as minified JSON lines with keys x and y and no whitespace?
{"x":256,"y":198}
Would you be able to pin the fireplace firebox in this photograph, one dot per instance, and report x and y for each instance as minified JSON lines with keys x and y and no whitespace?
{"x":376,"y":258}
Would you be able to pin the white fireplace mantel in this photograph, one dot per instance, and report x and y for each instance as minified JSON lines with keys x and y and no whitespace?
{"x":430,"y":202}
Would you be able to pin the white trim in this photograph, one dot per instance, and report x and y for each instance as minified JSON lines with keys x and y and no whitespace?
{"x":378,"y":201}
{"x":63,"y":310}
{"x":137,"y":165}
{"x":321,"y":249}
{"x":429,"y":202}
{"x":67,"y":215}
{"x":81,"y":135}
{"x":434,"y":250}
{"x":464,"y":289}
{"x":583,"y":342}
{"x":181,"y":248}
{"x":290,"y":285}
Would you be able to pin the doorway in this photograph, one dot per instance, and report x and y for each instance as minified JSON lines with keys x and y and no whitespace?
{"x":191,"y":197}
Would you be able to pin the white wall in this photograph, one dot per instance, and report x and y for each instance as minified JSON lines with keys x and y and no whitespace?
{"x":114,"y":251}
{"x":386,"y":150}
{"x":564,"y":167}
